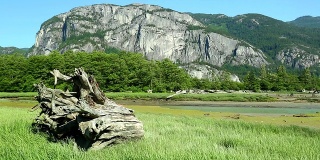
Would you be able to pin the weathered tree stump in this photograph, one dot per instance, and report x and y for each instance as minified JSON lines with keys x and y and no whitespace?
{"x":84,"y":114}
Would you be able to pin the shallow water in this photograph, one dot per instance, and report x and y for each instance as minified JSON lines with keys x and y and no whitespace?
{"x":235,"y":107}
{"x":277,"y":108}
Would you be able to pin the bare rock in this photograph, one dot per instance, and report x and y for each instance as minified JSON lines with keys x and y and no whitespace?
{"x":153,"y":31}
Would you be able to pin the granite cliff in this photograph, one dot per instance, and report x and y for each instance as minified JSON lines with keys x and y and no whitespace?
{"x":297,"y":58}
{"x":281,"y":42}
{"x":156,"y":32}
{"x":202,"y":40}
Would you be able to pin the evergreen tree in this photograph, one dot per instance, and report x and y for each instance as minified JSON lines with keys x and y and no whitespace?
{"x":282,"y":79}
{"x":251,"y":82}
{"x":306,"y":79}
{"x":264,"y":80}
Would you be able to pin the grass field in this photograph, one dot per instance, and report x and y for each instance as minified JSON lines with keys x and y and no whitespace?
{"x":17,"y":94}
{"x":169,"y":134}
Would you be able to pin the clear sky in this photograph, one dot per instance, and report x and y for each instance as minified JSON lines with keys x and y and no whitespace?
{"x":21,"y":19}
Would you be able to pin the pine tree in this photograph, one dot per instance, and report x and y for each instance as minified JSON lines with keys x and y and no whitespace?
{"x":306,"y":79}
{"x":264,"y":81}
{"x":251,"y":82}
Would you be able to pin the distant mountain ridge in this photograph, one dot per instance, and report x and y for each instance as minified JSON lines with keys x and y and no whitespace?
{"x":157,"y":33}
{"x":11,"y":50}
{"x":281,"y":42}
{"x":307,"y":21}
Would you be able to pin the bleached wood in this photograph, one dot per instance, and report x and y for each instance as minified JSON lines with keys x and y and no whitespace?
{"x":85,"y":113}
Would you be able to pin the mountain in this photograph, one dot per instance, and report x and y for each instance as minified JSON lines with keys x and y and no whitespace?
{"x":204,"y":40}
{"x":307,"y":21}
{"x":156,"y":32}
{"x":11,"y":50}
{"x":281,"y":43}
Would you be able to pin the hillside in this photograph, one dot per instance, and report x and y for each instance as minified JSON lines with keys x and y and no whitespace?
{"x":196,"y":40}
{"x":307,"y":21}
{"x":11,"y":50}
{"x":281,"y":42}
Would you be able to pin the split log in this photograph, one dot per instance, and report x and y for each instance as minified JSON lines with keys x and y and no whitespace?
{"x":177,"y":93}
{"x":84,"y":114}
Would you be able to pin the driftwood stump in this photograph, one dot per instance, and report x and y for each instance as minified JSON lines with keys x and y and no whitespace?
{"x":84,"y":114}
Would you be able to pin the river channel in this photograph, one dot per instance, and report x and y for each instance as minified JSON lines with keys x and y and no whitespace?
{"x":234,"y":107}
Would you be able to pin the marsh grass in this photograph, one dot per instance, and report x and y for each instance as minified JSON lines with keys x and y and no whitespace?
{"x":167,"y":136}
{"x":18,"y":103}
{"x":134,"y":96}
{"x":17,"y":94}
{"x":240,"y":97}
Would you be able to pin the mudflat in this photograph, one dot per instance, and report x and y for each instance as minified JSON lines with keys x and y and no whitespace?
{"x":221,"y":104}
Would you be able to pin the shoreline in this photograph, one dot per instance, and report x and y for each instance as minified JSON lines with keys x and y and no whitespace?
{"x":220,"y":104}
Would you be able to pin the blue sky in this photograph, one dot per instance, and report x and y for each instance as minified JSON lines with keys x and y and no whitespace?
{"x":21,"y":19}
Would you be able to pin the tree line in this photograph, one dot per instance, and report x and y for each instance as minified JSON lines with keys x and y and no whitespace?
{"x":114,"y":72}
{"x":125,"y":71}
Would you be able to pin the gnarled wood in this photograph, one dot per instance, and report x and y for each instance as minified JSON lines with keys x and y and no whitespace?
{"x":85,"y":113}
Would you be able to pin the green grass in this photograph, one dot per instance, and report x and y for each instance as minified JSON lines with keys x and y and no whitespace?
{"x":133,"y":96}
{"x":17,"y":94}
{"x":311,"y":100}
{"x":249,"y":110}
{"x":256,"y":97}
{"x":167,"y":136}
{"x":238,"y":97}
{"x":155,"y":96}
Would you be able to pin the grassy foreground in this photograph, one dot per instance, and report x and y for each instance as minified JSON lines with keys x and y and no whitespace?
{"x":167,"y":136}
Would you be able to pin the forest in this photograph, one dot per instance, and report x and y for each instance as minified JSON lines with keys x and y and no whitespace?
{"x":125,"y":71}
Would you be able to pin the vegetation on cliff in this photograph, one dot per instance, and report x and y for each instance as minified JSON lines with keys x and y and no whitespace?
{"x":265,"y":33}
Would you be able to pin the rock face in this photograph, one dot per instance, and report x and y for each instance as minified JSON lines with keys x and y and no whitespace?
{"x":298,"y":58}
{"x":207,"y":72}
{"x":156,"y":32}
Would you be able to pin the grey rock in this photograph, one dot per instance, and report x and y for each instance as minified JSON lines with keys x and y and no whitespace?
{"x":156,"y":32}
{"x":297,"y":58}
{"x":208,"y":72}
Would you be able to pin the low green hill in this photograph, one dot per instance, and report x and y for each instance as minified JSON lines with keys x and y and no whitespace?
{"x":11,"y":50}
{"x":307,"y":21}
